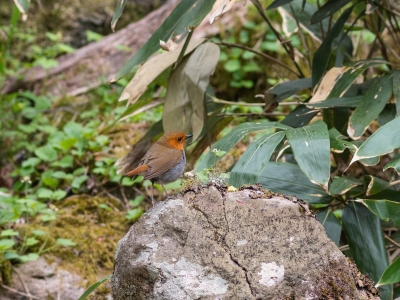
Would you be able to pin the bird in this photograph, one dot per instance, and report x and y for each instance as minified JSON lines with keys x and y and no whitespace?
{"x":164,"y":162}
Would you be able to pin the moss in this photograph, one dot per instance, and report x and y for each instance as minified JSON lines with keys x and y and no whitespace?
{"x":6,"y":272}
{"x":96,"y":232}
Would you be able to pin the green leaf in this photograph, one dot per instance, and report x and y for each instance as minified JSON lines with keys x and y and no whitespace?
{"x":118,"y":11}
{"x":232,"y":138}
{"x":391,"y":274}
{"x":51,"y":182}
{"x":68,"y":143}
{"x":78,"y":181}
{"x":29,"y":257}
{"x":22,"y":5}
{"x":337,"y":102}
{"x":65,"y":242}
{"x":311,"y":148}
{"x":328,"y":9}
{"x":253,"y":161}
{"x":288,"y":179}
{"x":46,"y":153}
{"x":375,"y":184}
{"x":364,"y":235}
{"x":65,"y":162}
{"x":382,"y":141}
{"x":384,"y":209}
{"x":341,"y":185}
{"x":58,"y":195}
{"x":38,"y":232}
{"x":186,"y":16}
{"x":184,"y":102}
{"x":94,"y":286}
{"x":10,"y":255}
{"x":44,"y":193}
{"x":331,"y":224}
{"x":394,"y":163}
{"x":286,"y":89}
{"x":351,"y":71}
{"x":232,"y":65}
{"x":299,"y":117}
{"x":6,"y":244}
{"x":278,"y":3}
{"x":73,"y":130}
{"x":31,"y":241}
{"x":396,"y":90}
{"x":372,"y":103}
{"x":9,"y":232}
{"x":338,"y":142}
{"x":322,"y":55}
{"x":137,"y":201}
{"x":388,"y":114}
{"x":31,"y":162}
{"x":134,"y":214}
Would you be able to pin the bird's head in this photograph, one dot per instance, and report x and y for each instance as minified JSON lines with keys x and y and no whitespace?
{"x":174,"y":139}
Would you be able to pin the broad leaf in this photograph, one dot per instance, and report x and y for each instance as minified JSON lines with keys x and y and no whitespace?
{"x":391,"y":274}
{"x":382,"y":141}
{"x":184,"y":108}
{"x":301,"y":13}
{"x":232,"y":138}
{"x":328,"y":9}
{"x":364,"y":235}
{"x":370,"y":106}
{"x":375,"y":184}
{"x":286,"y":89}
{"x":338,"y":142}
{"x":341,"y":185}
{"x":46,"y":153}
{"x":288,"y":179}
{"x":394,"y":163}
{"x":278,"y":3}
{"x":337,"y":102}
{"x":299,"y":117}
{"x":396,"y":90}
{"x":322,"y":55}
{"x":384,"y":209}
{"x":220,"y":7}
{"x":331,"y":224}
{"x":311,"y":149}
{"x":186,"y":16}
{"x":151,"y":69}
{"x":250,"y":165}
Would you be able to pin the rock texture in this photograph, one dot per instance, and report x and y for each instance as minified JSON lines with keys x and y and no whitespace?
{"x":242,"y":245}
{"x":42,"y":280}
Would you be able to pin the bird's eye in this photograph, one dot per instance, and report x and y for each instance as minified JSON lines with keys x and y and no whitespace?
{"x":179,"y":139}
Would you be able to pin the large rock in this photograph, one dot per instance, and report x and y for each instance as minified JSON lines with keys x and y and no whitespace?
{"x":240,"y":245}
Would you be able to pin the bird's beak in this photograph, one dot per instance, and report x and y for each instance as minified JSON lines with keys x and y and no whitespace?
{"x":189,"y":136}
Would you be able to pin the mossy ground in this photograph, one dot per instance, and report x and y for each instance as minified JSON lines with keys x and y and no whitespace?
{"x":96,"y":232}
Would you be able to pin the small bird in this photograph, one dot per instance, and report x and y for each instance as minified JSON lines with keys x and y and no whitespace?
{"x":164,"y":162}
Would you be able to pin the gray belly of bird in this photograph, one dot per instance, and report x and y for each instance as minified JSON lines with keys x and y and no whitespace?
{"x":174,"y":173}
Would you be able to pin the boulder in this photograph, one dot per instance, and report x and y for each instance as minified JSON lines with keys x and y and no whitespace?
{"x":249,"y":244}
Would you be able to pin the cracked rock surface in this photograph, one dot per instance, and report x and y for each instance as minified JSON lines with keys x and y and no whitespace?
{"x":240,"y":245}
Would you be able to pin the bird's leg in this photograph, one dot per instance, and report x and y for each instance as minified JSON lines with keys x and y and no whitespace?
{"x":152,"y":193}
{"x":165,"y":190}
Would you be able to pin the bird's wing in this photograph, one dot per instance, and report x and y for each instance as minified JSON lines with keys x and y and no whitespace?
{"x":165,"y":159}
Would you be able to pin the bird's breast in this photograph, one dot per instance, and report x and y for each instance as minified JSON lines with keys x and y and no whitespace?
{"x":174,"y":173}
